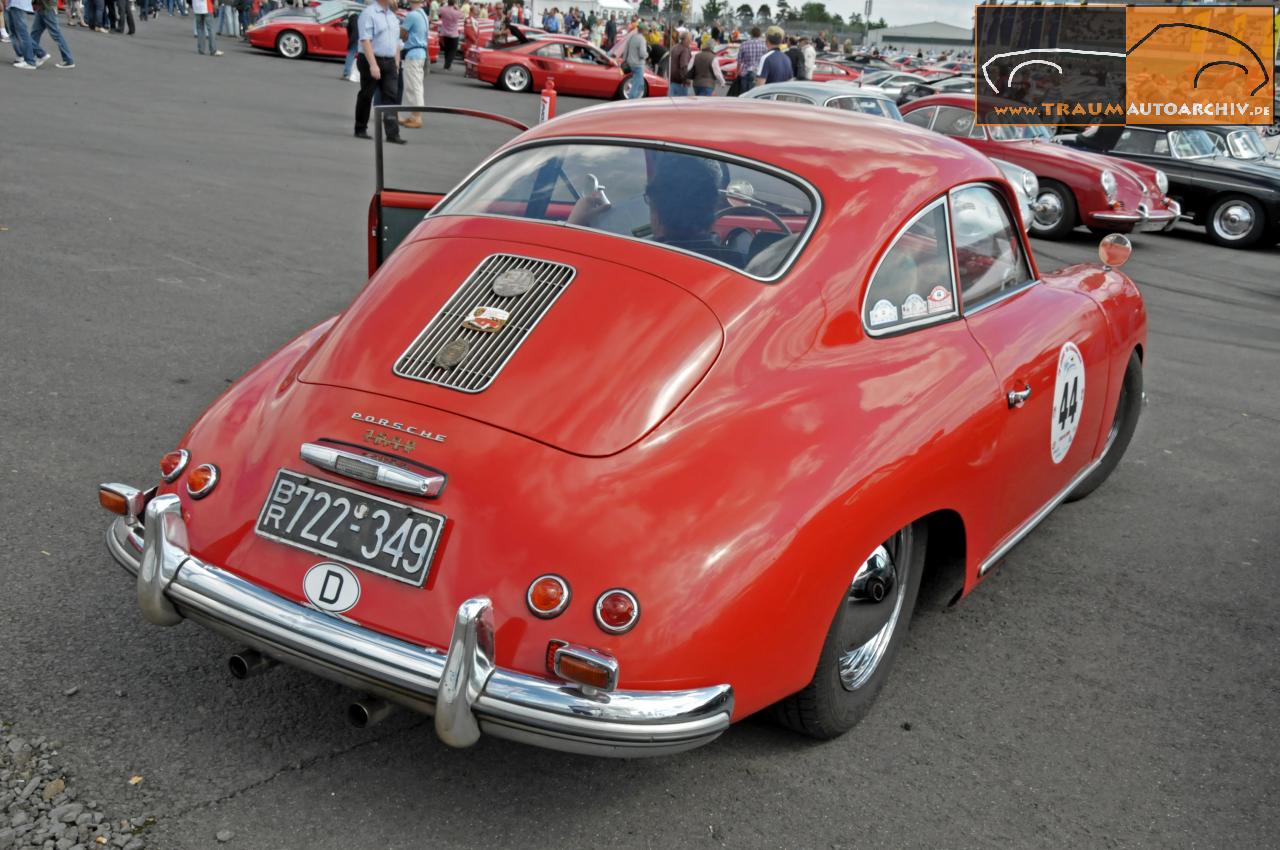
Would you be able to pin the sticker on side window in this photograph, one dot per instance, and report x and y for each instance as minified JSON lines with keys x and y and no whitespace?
{"x":914,"y":307}
{"x":883,"y":313}
{"x":1068,"y":401}
{"x":939,"y":300}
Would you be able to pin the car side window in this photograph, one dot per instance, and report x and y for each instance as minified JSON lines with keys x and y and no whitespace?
{"x":783,"y":97}
{"x":953,"y":121}
{"x":1142,"y":142}
{"x":550,"y":51}
{"x":913,"y":284}
{"x":921,"y":117}
{"x":989,"y":258}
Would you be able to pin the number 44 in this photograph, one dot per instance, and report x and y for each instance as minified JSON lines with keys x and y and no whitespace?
{"x":1070,"y":401}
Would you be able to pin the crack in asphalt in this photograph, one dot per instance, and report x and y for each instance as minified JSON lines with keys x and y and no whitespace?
{"x":295,"y":767}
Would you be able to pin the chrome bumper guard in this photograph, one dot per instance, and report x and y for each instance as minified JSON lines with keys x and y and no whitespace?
{"x":1144,"y":221}
{"x":463,"y":689}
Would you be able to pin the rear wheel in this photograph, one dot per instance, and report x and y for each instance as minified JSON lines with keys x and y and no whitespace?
{"x":625,"y":86}
{"x":1057,"y":211}
{"x":863,"y":639}
{"x":291,"y":45}
{"x":1128,"y":409}
{"x":515,"y":78}
{"x":1236,"y":221}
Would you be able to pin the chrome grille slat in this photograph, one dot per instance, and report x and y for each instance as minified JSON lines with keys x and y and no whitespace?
{"x":488,"y":352}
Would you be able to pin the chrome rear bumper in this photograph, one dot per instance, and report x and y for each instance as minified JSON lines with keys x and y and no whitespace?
{"x":475,"y":695}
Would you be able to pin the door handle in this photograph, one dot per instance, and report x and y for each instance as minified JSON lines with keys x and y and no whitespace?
{"x":1017,"y":398}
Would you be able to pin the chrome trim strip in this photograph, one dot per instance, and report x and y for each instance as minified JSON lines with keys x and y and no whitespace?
{"x":384,"y":474}
{"x":441,"y":209}
{"x":511,"y":705}
{"x":1016,"y":537}
{"x":955,"y":295}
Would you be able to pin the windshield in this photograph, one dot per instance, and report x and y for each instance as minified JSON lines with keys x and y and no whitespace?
{"x":1246,"y":144}
{"x":871,"y":78}
{"x":733,"y":214}
{"x":1018,"y":133}
{"x":1191,"y":144}
{"x":331,"y":9}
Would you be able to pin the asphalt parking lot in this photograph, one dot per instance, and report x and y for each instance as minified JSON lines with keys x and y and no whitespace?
{"x":167,"y":219}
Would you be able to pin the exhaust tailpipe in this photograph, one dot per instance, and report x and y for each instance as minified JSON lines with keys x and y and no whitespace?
{"x":368,"y":711}
{"x":249,"y":662}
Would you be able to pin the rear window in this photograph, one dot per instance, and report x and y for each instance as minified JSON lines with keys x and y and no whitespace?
{"x":750,"y":218}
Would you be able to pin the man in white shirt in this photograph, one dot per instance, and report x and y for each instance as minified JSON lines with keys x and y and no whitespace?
{"x":379,"y":66}
{"x":15,"y":18}
{"x":204,"y":10}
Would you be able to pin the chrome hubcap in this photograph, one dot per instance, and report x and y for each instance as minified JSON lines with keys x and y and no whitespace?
{"x":515,"y":78}
{"x":291,"y":45}
{"x":1233,"y":221}
{"x":874,"y":603}
{"x":1048,"y":210}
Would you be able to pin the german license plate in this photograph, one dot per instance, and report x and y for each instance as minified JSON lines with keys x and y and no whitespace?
{"x":346,"y":525}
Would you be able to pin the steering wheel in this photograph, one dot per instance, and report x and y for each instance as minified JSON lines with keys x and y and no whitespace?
{"x":752,"y":210}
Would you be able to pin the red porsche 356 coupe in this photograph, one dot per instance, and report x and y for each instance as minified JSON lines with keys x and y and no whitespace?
{"x":653,"y":422}
{"x":1106,"y":194}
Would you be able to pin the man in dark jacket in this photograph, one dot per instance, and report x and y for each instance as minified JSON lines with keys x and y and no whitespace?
{"x":610,"y":32}
{"x":796,"y":56}
{"x":681,"y":59}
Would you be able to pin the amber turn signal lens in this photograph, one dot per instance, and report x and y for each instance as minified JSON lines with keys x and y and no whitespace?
{"x":172,"y":464}
{"x":114,"y":502}
{"x":202,"y":480}
{"x":617,"y":611}
{"x":547,"y":596}
{"x":584,"y":672}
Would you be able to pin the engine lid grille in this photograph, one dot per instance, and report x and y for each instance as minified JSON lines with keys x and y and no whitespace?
{"x":461,"y":357}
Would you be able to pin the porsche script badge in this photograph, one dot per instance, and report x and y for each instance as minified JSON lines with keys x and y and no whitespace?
{"x":487,"y":319}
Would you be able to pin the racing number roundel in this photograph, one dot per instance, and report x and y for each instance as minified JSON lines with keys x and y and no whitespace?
{"x":1068,"y":401}
{"x":331,"y":587}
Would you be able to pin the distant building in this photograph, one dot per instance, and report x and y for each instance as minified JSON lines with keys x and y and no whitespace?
{"x":933,"y":35}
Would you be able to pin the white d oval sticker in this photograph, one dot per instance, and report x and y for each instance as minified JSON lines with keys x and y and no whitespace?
{"x":1068,"y":401}
{"x":331,"y":587}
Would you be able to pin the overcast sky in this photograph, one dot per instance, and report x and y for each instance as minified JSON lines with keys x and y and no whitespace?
{"x":899,"y":12}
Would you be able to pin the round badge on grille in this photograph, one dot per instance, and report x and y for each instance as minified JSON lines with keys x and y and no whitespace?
{"x":513,"y":282}
{"x":452,"y":354}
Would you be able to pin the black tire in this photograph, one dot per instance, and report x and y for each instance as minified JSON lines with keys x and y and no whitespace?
{"x":285,"y":42}
{"x":507,"y":80}
{"x":826,"y":708}
{"x":1053,"y":191}
{"x":1219,"y":230}
{"x":1128,"y":409}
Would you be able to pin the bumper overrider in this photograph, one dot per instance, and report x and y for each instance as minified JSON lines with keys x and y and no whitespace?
{"x":461,"y":687}
{"x":1143,"y":220}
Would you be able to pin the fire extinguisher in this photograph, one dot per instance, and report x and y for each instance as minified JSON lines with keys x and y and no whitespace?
{"x":547,"y":110}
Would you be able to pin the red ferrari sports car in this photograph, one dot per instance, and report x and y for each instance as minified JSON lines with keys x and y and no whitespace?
{"x":1106,"y":194}
{"x":319,"y":30}
{"x":653,"y":422}
{"x":579,"y":67}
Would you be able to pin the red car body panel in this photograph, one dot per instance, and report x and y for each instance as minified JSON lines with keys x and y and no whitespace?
{"x":1135,"y":183}
{"x":327,"y":39}
{"x":586,"y":79}
{"x":756,"y":441}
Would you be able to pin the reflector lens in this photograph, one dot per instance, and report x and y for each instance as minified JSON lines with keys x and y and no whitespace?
{"x":172,"y":464}
{"x":113,"y":502}
{"x":617,"y":611}
{"x":202,"y":480}
{"x":584,"y":672}
{"x":548,"y":596}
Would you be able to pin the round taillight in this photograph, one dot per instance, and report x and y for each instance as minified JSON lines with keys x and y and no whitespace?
{"x":547,"y":596}
{"x":617,"y":611}
{"x":202,"y":480}
{"x":172,"y":464}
